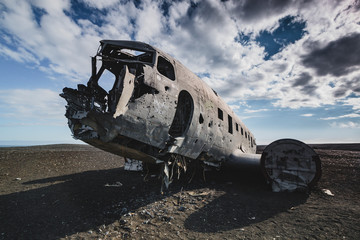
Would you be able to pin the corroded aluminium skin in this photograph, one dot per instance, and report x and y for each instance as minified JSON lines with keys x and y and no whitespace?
{"x":147,"y":119}
{"x":157,"y":110}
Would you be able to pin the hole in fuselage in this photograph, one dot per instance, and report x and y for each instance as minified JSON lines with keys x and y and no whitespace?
{"x":183,"y":115}
{"x":201,"y":119}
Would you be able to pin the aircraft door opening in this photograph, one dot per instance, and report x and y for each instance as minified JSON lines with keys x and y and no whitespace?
{"x":183,"y":115}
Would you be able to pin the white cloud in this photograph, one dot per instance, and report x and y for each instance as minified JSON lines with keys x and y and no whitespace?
{"x":57,"y":38}
{"x":149,"y":21}
{"x":234,"y":107}
{"x":255,"y":110}
{"x":351,"y":115}
{"x":100,"y":4}
{"x":354,"y":102}
{"x":32,"y":106}
{"x":21,"y":55}
{"x":345,"y":124}
{"x":238,"y":105}
{"x":307,"y":115}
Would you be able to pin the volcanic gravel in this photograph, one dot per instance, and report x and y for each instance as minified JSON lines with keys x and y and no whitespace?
{"x":80,"y":192}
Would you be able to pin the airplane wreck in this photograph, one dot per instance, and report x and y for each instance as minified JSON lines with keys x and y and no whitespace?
{"x":159,"y":112}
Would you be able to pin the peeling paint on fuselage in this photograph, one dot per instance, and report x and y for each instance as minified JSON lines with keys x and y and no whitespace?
{"x":158,"y":111}
{"x":133,"y":119}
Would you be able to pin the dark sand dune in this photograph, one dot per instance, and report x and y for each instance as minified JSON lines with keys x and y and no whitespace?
{"x":77,"y":191}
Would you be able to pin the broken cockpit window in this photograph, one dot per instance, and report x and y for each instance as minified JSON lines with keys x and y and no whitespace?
{"x":118,"y":53}
{"x":165,"y":68}
{"x":121,"y":74}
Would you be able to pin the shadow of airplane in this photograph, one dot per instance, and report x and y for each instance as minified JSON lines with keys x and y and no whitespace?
{"x":72,"y":203}
{"x":81,"y":202}
{"x":247,"y":201}
{"x":233,"y":211}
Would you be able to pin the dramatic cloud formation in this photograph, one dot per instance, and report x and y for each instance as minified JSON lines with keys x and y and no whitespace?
{"x":338,"y":58}
{"x":292,"y":54}
{"x":206,"y":36}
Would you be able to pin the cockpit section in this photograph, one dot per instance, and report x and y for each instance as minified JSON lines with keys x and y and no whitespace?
{"x":130,"y":95}
{"x":125,"y":66}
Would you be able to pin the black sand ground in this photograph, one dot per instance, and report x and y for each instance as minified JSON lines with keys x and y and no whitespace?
{"x":79,"y":192}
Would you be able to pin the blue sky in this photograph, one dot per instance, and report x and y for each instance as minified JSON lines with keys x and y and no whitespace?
{"x":289,"y":69}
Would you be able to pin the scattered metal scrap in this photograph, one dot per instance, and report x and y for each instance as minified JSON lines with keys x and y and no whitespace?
{"x":133,"y":165}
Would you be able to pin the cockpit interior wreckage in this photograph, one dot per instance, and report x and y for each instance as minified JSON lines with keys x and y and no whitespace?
{"x":159,"y":112}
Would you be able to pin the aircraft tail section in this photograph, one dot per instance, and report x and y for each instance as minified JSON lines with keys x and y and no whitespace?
{"x":287,"y":164}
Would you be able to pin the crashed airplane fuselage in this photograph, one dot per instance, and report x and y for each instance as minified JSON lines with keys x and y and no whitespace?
{"x":157,"y":110}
